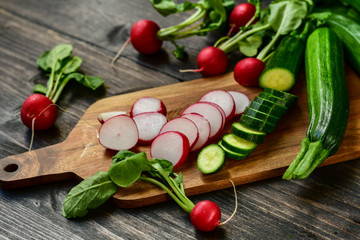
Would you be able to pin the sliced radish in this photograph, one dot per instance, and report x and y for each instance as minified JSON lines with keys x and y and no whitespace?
{"x":106,"y":115}
{"x":223,"y":99}
{"x":203,"y":126}
{"x":185,"y":126}
{"x":149,"y":125}
{"x":172,"y":146}
{"x":241,"y":102}
{"x":147,"y":104}
{"x":211,"y":112}
{"x":118,"y":133}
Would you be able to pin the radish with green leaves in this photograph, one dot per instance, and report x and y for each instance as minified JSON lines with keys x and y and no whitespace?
{"x":127,"y":168}
{"x":39,"y":110}
{"x":240,"y":16}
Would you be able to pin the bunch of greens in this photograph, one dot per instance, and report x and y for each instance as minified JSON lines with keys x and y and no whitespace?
{"x":279,"y":19}
{"x":126,"y":168}
{"x":61,"y":67}
{"x":209,"y":15}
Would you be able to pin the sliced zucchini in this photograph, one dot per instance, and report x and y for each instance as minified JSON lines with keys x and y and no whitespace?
{"x":211,"y":159}
{"x":231,"y":154}
{"x":273,"y":111}
{"x":238,"y":144}
{"x":270,"y":103}
{"x":281,"y":94}
{"x":275,"y":99}
{"x":260,"y":115}
{"x":256,"y":124}
{"x":247,"y":133}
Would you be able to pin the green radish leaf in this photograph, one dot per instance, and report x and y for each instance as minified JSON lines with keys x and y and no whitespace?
{"x":88,"y":194}
{"x":129,"y":170}
{"x":57,"y":54}
{"x":40,"y":89}
{"x":167,"y":7}
{"x":286,"y":16}
{"x":42,"y":62}
{"x":71,"y":64}
{"x":77,"y":76}
{"x":121,"y":155}
{"x":93,"y":82}
{"x":179,"y":52}
{"x":249,"y":46}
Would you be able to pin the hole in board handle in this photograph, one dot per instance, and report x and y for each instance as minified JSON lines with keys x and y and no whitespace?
{"x":11,"y":167}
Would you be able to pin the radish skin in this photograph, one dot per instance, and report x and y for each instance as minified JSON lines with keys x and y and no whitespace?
{"x":143,"y":37}
{"x":248,"y":71}
{"x":212,"y":61}
{"x":106,"y":115}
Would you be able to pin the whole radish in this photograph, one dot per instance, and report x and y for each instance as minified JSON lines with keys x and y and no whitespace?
{"x":241,"y":15}
{"x":205,"y":216}
{"x":248,"y":70}
{"x":212,"y":61}
{"x":143,"y":37}
{"x":39,"y":109}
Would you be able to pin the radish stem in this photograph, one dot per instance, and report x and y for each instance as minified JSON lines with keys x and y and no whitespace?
{"x":236,"y":204}
{"x":120,"y":51}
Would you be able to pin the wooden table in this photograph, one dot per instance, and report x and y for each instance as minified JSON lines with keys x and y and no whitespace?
{"x":324,"y":206}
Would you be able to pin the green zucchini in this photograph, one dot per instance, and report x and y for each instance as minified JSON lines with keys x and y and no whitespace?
{"x":284,"y":65}
{"x":271,"y":110}
{"x":247,"y":133}
{"x":283,"y":95}
{"x":328,"y":102}
{"x":270,"y":104}
{"x":274,"y":99}
{"x":231,"y":154}
{"x":260,"y":115}
{"x":238,"y":144}
{"x":257,"y":124}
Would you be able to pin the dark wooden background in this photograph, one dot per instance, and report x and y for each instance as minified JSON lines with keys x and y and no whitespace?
{"x":324,"y":206}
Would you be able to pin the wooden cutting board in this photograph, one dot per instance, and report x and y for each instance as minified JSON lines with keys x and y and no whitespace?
{"x":80,"y":155}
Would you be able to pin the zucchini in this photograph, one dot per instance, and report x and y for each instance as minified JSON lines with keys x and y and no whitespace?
{"x":274,"y":99}
{"x":283,"y":95}
{"x":231,"y":154}
{"x":271,"y":110}
{"x":349,"y":32}
{"x":328,"y":102}
{"x":284,"y":65}
{"x":247,"y":133}
{"x":211,"y":159}
{"x":238,"y":144}
{"x":270,"y":104}
{"x":260,"y":115}
{"x":257,"y":124}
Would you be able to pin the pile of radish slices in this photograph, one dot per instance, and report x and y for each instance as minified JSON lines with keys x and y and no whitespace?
{"x":175,"y":139}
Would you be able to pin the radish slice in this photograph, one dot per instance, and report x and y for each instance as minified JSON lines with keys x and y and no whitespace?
{"x":241,"y":102}
{"x":148,"y":104}
{"x":172,"y":146}
{"x":223,"y":99}
{"x":119,"y":133}
{"x":106,"y":115}
{"x":203,"y":126}
{"x":185,"y":126}
{"x":211,"y":112}
{"x":149,"y":125}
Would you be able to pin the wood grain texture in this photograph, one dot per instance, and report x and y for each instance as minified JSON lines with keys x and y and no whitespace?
{"x":324,"y":206}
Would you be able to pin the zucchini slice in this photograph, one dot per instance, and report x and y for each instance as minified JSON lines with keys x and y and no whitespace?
{"x":270,"y":103}
{"x":257,"y":124}
{"x":231,"y":154}
{"x":275,"y":99}
{"x":273,"y":111}
{"x":238,"y":144}
{"x":281,"y":94}
{"x":260,"y":115}
{"x":211,"y":159}
{"x":247,"y":133}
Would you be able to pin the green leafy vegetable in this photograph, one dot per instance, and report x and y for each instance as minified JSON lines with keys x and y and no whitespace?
{"x":61,"y":67}
{"x":89,"y":194}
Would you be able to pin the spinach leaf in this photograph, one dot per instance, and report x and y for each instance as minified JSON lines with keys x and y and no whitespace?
{"x":129,"y":170}
{"x":88,"y":194}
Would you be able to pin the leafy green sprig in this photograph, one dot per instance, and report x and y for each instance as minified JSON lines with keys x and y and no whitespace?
{"x":61,"y":67}
{"x":127,"y":167}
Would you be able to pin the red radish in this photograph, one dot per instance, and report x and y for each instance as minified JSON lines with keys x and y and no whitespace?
{"x":149,"y":125}
{"x":203,"y":126}
{"x":118,"y":133}
{"x":147,"y":104}
{"x":223,"y":99}
{"x":106,"y":115}
{"x":241,"y":102}
{"x":211,"y":112}
{"x":223,"y":115}
{"x":211,"y":61}
{"x":40,"y":109}
{"x":248,"y":71}
{"x":205,"y":216}
{"x":241,"y":15}
{"x":185,"y":126}
{"x":143,"y":37}
{"x":172,"y":146}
